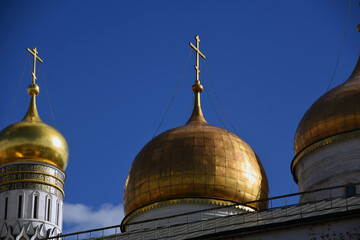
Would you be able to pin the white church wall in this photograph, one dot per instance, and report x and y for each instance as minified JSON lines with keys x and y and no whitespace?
{"x":334,"y":165}
{"x":28,"y":207}
{"x":178,"y":209}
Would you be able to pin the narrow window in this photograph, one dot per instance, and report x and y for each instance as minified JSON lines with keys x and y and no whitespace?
{"x":350,"y":191}
{"x":6,"y":208}
{"x":20,"y":206}
{"x":48,"y":210}
{"x":35,"y":206}
{"x":57,"y":213}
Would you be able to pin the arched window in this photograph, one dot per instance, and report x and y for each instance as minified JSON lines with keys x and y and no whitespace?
{"x":350,"y":190}
{"x":6,"y":208}
{"x":57,"y":213}
{"x":36,"y":205}
{"x":20,"y":206}
{"x":48,"y":208}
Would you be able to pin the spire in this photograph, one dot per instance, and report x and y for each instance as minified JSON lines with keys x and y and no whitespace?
{"x":197,"y":88}
{"x":32,"y":114}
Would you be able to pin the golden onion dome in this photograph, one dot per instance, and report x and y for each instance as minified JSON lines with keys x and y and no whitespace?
{"x":336,"y":112}
{"x":33,"y":140}
{"x":195,"y":161}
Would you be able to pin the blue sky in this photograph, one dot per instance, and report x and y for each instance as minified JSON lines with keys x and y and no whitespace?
{"x":112,"y":67}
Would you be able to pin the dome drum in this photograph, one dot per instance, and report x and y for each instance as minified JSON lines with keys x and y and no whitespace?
{"x":330,"y":166}
{"x":32,"y":176}
{"x":181,"y":210}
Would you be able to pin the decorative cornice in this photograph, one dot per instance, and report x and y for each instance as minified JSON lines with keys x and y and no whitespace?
{"x":16,"y":182}
{"x":33,"y":172}
{"x":27,"y":231}
{"x":203,"y":201}
{"x":33,"y":186}
{"x":33,"y":167}
{"x":32,"y":176}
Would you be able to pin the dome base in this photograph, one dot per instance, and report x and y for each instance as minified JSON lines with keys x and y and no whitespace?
{"x":179,"y":211}
{"x":323,"y":167}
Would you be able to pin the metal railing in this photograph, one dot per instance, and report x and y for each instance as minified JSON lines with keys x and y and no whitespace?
{"x":280,"y":208}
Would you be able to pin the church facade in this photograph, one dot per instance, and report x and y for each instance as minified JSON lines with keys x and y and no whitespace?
{"x":197,"y":181}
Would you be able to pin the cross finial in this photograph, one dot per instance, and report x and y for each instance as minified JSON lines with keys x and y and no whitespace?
{"x":34,"y":52}
{"x":197,"y":50}
{"x":197,"y":115}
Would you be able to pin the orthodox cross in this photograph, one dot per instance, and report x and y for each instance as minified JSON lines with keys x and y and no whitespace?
{"x":197,"y":50}
{"x":34,"y":52}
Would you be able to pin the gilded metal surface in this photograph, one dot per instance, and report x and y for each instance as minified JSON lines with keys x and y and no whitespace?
{"x":319,"y":144}
{"x":335,"y":112}
{"x":196,"y":160}
{"x":31,"y":139}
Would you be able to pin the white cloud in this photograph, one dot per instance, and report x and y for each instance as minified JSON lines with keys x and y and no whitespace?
{"x":79,"y":217}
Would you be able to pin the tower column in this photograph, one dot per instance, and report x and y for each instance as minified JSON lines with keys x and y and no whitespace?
{"x":33,"y":157}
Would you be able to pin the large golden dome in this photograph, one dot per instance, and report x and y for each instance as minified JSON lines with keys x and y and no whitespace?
{"x":195,"y":162}
{"x":33,"y":140}
{"x":337,"y":111}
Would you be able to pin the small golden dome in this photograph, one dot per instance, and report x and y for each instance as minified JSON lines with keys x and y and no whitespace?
{"x":197,"y":161}
{"x":33,"y":140}
{"x":337,"y":111}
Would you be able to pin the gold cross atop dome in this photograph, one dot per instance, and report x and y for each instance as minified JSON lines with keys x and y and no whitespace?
{"x":34,"y":52}
{"x":197,"y":50}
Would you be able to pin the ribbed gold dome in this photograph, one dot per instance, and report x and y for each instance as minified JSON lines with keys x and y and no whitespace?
{"x":197,"y":161}
{"x":337,"y":111}
{"x":33,"y":140}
